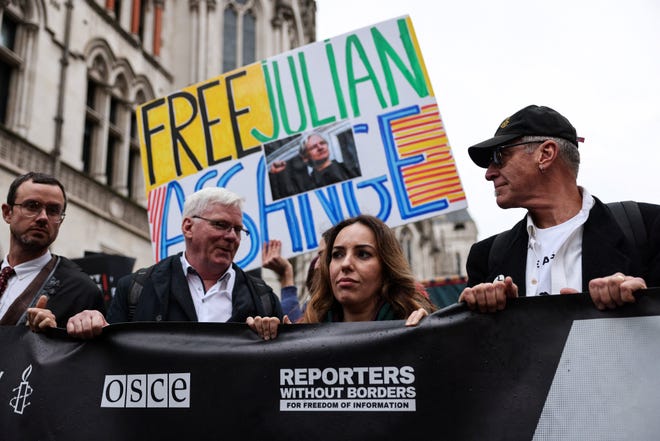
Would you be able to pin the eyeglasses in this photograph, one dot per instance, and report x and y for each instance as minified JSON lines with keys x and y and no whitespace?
{"x":32,"y":208}
{"x":224,"y":226}
{"x":497,"y":159}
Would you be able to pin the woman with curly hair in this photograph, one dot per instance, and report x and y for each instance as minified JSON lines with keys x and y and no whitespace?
{"x":363,"y":276}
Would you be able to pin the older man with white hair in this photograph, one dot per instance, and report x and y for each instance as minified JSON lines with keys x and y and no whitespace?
{"x":200,"y":284}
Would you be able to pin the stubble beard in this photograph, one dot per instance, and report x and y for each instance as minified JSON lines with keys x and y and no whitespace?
{"x":33,"y":244}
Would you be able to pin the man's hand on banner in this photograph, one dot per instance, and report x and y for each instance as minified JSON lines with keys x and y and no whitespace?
{"x":266,"y":327}
{"x":86,"y":324}
{"x":40,"y":318}
{"x":489,"y":297}
{"x":615,"y":290}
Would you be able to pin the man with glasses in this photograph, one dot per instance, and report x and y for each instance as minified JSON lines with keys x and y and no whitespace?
{"x":31,"y":275}
{"x":569,"y":241}
{"x":201,"y":284}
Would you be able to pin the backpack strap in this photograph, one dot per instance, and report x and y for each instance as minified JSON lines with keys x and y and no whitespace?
{"x":266,"y":303}
{"x":620,"y":215}
{"x":262,"y":291}
{"x":630,"y":221}
{"x":138,"y":280}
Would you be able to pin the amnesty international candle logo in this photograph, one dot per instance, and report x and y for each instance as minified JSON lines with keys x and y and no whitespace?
{"x":375,"y":388}
{"x":20,"y":401}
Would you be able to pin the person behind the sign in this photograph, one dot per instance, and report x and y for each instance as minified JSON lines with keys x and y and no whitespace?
{"x":35,"y":209}
{"x":569,"y":241}
{"x":201,"y":284}
{"x":363,"y":276}
{"x":271,"y":258}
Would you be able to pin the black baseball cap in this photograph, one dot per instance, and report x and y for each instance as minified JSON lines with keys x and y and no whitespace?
{"x":530,"y":121}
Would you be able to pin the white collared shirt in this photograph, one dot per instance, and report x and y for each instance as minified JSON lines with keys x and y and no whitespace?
{"x":214,"y":305}
{"x":25,"y":274}
{"x":554,"y":255}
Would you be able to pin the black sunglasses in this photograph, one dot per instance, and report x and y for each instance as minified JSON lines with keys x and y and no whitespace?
{"x":497,"y":152}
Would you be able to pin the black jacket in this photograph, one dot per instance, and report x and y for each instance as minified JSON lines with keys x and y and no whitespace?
{"x":165,"y":296}
{"x":69,"y":292}
{"x":604,"y":251}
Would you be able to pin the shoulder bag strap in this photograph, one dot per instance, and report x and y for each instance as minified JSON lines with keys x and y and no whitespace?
{"x":17,"y":312}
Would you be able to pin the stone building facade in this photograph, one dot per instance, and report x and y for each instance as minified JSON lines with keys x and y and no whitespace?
{"x":72,"y":73}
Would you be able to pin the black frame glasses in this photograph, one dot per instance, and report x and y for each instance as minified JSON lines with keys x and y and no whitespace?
{"x":497,"y":160}
{"x":224,"y":226}
{"x":30,"y":208}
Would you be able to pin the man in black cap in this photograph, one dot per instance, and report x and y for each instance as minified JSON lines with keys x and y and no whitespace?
{"x":569,"y":241}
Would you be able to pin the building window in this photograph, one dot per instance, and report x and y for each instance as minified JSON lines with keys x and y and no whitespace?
{"x":230,"y":41}
{"x":113,"y":149}
{"x":9,"y":61}
{"x":117,"y":9}
{"x":5,"y":78}
{"x":105,"y":139}
{"x":134,"y":165}
{"x":110,"y":145}
{"x":135,"y":176}
{"x":249,"y":37}
{"x":8,"y":34}
{"x":142,"y":17}
{"x":19,"y":31}
{"x":92,"y":126}
{"x":239,"y":35}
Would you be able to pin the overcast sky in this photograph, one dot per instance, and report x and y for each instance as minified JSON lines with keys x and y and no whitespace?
{"x":597,"y":62}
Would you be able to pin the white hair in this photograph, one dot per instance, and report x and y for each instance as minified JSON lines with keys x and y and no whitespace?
{"x":305,"y":138}
{"x":197,"y":202}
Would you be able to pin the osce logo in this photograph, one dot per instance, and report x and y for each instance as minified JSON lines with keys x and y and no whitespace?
{"x":146,"y":390}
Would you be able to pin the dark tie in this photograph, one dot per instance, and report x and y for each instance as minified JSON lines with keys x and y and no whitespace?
{"x":5,"y":274}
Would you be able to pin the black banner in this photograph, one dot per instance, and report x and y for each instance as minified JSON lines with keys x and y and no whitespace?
{"x":546,"y":368}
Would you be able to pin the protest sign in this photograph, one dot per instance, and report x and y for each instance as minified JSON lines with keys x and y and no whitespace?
{"x":366,"y":101}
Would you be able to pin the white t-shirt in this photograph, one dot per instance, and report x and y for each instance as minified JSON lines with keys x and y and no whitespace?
{"x":554,"y":255}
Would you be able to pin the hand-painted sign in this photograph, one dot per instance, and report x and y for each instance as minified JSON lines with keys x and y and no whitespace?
{"x":309,"y":137}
